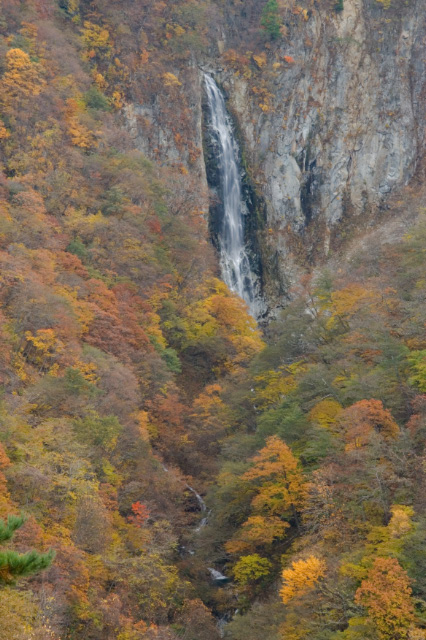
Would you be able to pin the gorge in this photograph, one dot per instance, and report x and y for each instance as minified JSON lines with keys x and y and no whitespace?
{"x":212,"y":320}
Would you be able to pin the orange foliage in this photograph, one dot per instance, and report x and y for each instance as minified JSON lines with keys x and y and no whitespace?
{"x":282,"y":485}
{"x":363,"y":419}
{"x":386,"y":593}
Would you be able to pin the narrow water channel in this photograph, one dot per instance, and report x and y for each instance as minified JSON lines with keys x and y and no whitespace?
{"x":234,"y":260}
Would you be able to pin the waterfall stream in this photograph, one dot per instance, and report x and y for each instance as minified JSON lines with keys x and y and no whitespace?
{"x":234,"y":261}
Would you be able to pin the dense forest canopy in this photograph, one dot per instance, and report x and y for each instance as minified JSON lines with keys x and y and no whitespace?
{"x":150,"y":431}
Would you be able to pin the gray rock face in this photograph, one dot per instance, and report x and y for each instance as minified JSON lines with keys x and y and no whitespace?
{"x":348,"y":120}
{"x":345,"y":127}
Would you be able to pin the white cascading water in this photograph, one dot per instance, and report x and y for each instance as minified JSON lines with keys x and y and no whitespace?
{"x":235,"y":265}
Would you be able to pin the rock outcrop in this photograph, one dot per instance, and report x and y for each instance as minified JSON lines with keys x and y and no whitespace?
{"x":346,"y":125}
{"x":332,"y":120}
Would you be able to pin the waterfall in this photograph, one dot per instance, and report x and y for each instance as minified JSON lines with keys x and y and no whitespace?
{"x":234,"y":261}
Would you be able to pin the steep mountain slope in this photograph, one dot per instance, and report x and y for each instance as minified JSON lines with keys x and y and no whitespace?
{"x":114,"y":332}
{"x":132,"y":378}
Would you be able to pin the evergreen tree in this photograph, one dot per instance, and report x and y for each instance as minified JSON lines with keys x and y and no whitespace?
{"x":15,"y":565}
{"x":271,"y":21}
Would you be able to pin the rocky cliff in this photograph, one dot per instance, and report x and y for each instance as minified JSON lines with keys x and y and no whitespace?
{"x":331,"y":118}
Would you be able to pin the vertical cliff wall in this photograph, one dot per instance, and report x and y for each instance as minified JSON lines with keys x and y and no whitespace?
{"x":331,"y":115}
{"x":344,"y":120}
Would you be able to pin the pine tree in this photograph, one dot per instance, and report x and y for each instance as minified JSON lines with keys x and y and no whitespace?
{"x":14,"y":565}
{"x":271,"y":19}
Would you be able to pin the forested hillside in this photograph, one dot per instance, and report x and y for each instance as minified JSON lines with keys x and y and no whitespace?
{"x":133,"y":381}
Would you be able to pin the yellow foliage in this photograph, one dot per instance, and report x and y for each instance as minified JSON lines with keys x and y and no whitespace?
{"x":18,"y":364}
{"x":43,"y":347}
{"x":153,"y":329}
{"x":282,"y":485}
{"x":348,"y":301}
{"x":294,"y":628}
{"x":257,"y":531}
{"x":261,"y":530}
{"x":96,"y":39}
{"x":208,"y":401}
{"x":352,"y":570}
{"x":265,"y":96}
{"x":99,"y":80}
{"x":73,"y":6}
{"x":81,"y":308}
{"x":4,"y":133}
{"x":179,"y":31}
{"x":22,"y":79}
{"x":221,"y":314}
{"x":301,"y":577}
{"x":170,"y":80}
{"x":273,"y":387}
{"x":325,"y":413}
{"x":260,"y":60}
{"x":400,"y":523}
{"x":87,"y":370}
{"x":251,"y":568}
{"x":80,"y":135}
{"x":117,"y":100}
{"x":18,"y":614}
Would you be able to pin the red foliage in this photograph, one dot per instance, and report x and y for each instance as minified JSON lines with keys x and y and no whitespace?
{"x":140,"y":514}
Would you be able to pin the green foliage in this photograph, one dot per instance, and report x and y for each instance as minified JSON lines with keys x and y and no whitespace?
{"x":8,"y":528}
{"x":271,"y":20}
{"x":171,"y":359}
{"x":98,"y":431}
{"x":13,"y":565}
{"x":339,"y":5}
{"x":251,"y":568}
{"x":417,"y":360}
{"x":95,"y":99}
{"x":287,"y":421}
{"x":78,"y":248}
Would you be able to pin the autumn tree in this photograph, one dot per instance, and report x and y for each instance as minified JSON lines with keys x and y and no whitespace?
{"x":276,"y":474}
{"x":386,"y":594}
{"x":22,"y":80}
{"x":301,"y":577}
{"x":140,"y":514}
{"x":251,"y":568}
{"x":364,"y":418}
